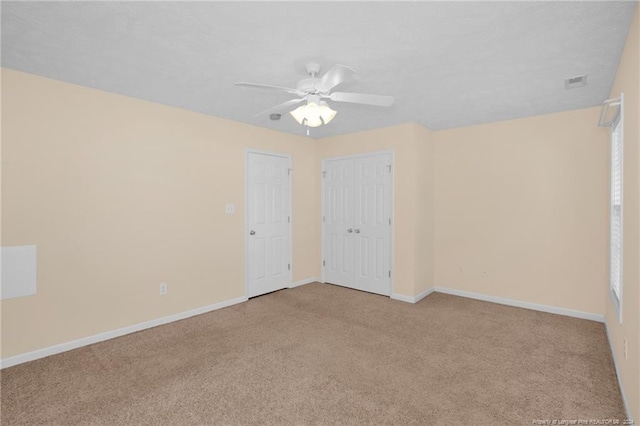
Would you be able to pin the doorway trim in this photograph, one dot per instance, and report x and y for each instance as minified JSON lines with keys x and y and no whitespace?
{"x":393,"y":208}
{"x":248,"y":151}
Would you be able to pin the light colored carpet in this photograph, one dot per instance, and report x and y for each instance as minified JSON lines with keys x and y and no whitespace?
{"x":322,"y":354}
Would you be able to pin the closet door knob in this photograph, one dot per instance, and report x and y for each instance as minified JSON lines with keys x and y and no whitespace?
{"x":357,"y":231}
{"x":252,"y":232}
{"x":349,"y":230}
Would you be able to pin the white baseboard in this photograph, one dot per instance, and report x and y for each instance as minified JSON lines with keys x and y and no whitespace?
{"x":63,"y":347}
{"x":615,"y":365}
{"x":74,"y":344}
{"x":412,"y":299}
{"x":305,"y":281}
{"x":402,"y":298}
{"x":519,"y":304}
{"x":423,"y":294}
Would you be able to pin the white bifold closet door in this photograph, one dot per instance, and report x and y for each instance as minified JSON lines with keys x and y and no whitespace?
{"x":357,"y":222}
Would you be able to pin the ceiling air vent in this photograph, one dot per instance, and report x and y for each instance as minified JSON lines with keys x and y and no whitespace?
{"x":573,"y":82}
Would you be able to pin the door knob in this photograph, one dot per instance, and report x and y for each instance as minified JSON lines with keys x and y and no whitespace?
{"x":349,"y":230}
{"x":357,"y":231}
{"x":252,"y":232}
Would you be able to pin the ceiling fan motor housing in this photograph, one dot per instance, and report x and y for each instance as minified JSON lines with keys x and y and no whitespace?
{"x":307,"y":85}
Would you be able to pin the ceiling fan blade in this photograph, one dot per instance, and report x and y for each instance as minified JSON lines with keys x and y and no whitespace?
{"x":362,"y":98}
{"x":267,"y":87}
{"x":336,"y":75}
{"x":280,"y":107}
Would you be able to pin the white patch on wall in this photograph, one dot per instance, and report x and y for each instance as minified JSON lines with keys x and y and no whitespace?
{"x":18,"y":272}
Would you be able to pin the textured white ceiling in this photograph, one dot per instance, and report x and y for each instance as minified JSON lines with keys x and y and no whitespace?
{"x":448,"y":64}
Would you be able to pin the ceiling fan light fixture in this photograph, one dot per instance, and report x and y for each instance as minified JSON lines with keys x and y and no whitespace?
{"x":313,"y":122}
{"x":313,"y":114}
{"x":326,"y":113}
{"x":299,"y":114}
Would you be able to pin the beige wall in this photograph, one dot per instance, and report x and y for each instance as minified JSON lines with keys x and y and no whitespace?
{"x":119,"y":195}
{"x":628,"y":82}
{"x":424,"y":225}
{"x":1,"y":163}
{"x":407,"y":141}
{"x":521,"y":210}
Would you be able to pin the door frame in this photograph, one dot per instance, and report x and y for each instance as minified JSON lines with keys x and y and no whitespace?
{"x":248,"y":151}
{"x":393,"y":208}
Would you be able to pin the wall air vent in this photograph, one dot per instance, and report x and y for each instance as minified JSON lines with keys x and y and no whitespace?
{"x":573,"y":82}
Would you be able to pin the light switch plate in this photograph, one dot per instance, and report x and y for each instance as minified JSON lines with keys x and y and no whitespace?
{"x":230,"y":209}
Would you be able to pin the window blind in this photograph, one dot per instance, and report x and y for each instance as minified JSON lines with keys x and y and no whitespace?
{"x":615,"y":265}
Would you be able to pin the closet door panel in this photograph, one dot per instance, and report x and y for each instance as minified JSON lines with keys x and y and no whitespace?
{"x":372,"y":222}
{"x":338,"y":222}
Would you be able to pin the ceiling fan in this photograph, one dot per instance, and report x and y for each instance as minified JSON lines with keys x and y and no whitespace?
{"x":313,"y":92}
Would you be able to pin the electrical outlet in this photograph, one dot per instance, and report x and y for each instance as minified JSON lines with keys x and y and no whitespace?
{"x":485,"y":274}
{"x":626,"y":355}
{"x":163,"y":289}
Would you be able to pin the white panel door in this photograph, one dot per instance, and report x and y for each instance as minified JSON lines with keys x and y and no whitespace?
{"x":357,"y":222}
{"x":338,"y":222}
{"x":372,"y":224}
{"x":268,"y":223}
